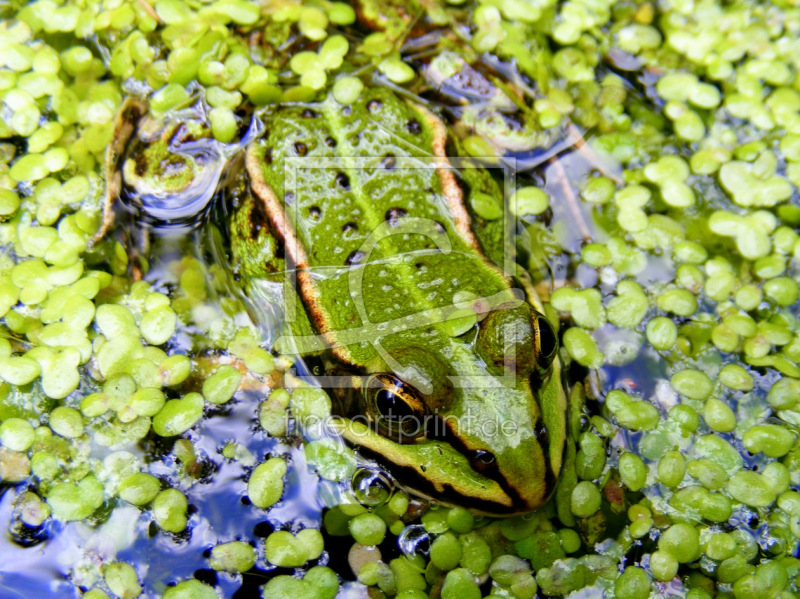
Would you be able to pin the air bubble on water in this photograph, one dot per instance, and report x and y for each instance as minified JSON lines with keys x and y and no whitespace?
{"x":414,"y":540}
{"x":371,"y":487}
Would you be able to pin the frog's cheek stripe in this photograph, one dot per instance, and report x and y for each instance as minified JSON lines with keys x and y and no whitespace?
{"x":415,"y":481}
{"x":445,"y":493}
{"x":459,"y":486}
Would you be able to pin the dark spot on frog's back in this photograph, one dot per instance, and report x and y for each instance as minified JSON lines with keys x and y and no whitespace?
{"x":267,"y":156}
{"x":315,"y":213}
{"x":300,"y":148}
{"x":414,"y":127}
{"x":389,"y":162}
{"x":349,"y":230}
{"x":393,"y":216}
{"x":309,"y":114}
{"x":374,"y":106}
{"x":342,"y":180}
{"x":355,"y":257}
{"x":330,"y":142}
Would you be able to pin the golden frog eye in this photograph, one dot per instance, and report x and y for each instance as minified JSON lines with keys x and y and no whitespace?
{"x":395,"y":407}
{"x":546,"y":342}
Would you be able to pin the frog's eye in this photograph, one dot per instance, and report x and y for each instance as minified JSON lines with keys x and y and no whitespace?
{"x":395,"y":407}
{"x":546,"y":342}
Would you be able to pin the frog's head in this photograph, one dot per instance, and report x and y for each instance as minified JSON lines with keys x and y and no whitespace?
{"x":489,"y":434}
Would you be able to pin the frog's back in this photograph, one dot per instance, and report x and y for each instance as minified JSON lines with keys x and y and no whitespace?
{"x":366,"y":187}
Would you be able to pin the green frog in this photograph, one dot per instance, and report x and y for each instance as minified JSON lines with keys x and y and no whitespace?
{"x":441,"y":366}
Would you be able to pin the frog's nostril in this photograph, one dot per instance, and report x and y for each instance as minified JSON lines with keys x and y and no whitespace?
{"x":483,"y":462}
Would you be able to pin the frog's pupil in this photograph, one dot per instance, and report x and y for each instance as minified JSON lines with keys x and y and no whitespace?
{"x":391,"y":406}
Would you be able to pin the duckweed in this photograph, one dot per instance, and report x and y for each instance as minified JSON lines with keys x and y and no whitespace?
{"x":235,"y":556}
{"x":367,"y":529}
{"x":772,"y":440}
{"x":265,"y":486}
{"x":190,"y":589}
{"x":446,"y":552}
{"x":633,"y":471}
{"x":661,"y":333}
{"x":282,"y":548}
{"x":585,"y":499}
{"x":17,"y":434}
{"x":460,"y":584}
{"x":694,"y":384}
{"x":680,"y":541}
{"x":220,"y":386}
{"x":75,"y":501}
{"x":633,"y":583}
{"x":169,"y":510}
{"x":671,"y":468}
{"x":122,"y":579}
{"x":139,"y":489}
{"x":178,"y":415}
{"x":718,"y":416}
